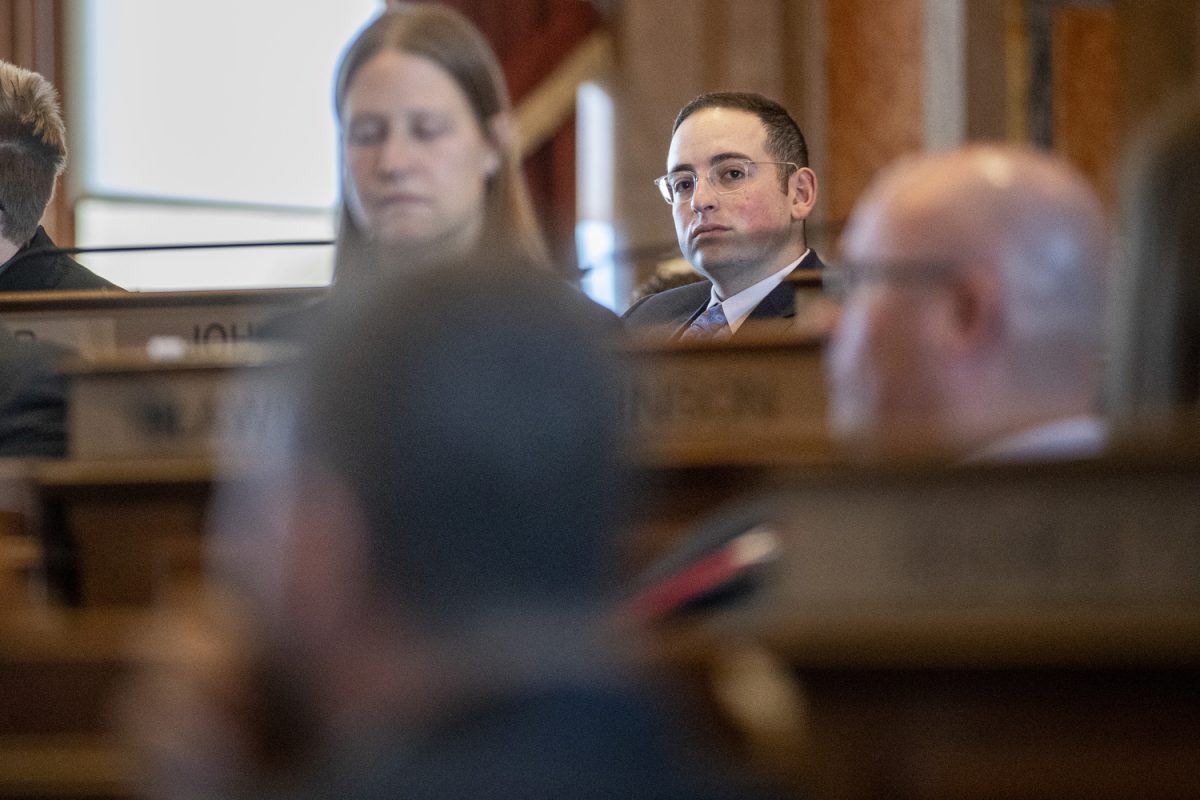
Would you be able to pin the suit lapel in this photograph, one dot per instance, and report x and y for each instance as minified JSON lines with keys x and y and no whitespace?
{"x":780,"y":303}
{"x":695,"y":313}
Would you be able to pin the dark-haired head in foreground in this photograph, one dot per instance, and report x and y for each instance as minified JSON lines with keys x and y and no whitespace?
{"x":474,"y":417}
{"x":435,"y":565}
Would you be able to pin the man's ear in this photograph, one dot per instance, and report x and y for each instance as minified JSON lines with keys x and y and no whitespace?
{"x":971,"y":312}
{"x":501,"y":138}
{"x":802,"y":186}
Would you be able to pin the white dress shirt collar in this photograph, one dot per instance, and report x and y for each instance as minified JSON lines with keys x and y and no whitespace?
{"x":738,"y":307}
{"x":1084,"y":436}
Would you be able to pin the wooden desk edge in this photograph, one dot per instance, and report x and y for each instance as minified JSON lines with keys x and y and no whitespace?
{"x":1167,"y":637}
{"x":115,"y":301}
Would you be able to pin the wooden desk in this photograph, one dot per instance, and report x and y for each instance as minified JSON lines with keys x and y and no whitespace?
{"x":59,"y":670}
{"x":116,"y":532}
{"x":20,"y":552}
{"x":1016,"y":631}
{"x":126,"y":511}
{"x":99,"y":323}
{"x":144,"y":435}
{"x":752,"y":400}
{"x":127,"y":405}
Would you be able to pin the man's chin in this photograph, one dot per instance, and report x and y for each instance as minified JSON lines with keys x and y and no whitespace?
{"x":708,"y":261}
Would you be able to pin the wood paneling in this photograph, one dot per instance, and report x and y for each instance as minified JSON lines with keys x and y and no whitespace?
{"x":550,"y":171}
{"x":532,"y":38}
{"x":1086,"y":120}
{"x":1159,"y":52}
{"x":875,"y":78}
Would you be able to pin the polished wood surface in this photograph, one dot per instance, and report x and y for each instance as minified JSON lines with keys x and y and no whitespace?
{"x":96,"y":324}
{"x":60,"y":670}
{"x":1017,"y":631}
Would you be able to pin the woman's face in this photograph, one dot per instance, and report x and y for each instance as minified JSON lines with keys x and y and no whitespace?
{"x":416,"y":160}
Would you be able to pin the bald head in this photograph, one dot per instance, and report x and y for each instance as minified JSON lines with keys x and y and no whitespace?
{"x":982,"y":270}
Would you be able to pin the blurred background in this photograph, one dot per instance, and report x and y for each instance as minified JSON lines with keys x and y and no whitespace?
{"x":213,"y":121}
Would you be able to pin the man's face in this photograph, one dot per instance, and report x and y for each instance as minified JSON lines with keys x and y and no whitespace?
{"x":881,"y":361}
{"x":750,"y":228}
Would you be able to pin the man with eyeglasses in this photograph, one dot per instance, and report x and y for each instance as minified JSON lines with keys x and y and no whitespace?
{"x":740,"y":189}
{"x":973,"y":312}
{"x":33,"y":151}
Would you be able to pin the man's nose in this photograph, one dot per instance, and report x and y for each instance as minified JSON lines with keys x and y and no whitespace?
{"x":704,"y":196}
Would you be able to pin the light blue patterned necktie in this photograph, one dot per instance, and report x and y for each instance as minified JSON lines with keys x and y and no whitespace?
{"x":710,"y":326}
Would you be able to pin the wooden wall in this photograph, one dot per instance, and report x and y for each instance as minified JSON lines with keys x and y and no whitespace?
{"x":875,"y":74}
{"x":1084,"y":88}
{"x":862,"y":77}
{"x":869,"y":81}
{"x":532,"y":38}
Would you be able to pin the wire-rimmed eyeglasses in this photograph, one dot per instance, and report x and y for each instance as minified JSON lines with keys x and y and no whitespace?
{"x":724,"y":176}
{"x":839,"y":280}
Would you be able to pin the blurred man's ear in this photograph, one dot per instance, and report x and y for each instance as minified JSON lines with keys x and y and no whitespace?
{"x":972,"y":309}
{"x":324,"y":580}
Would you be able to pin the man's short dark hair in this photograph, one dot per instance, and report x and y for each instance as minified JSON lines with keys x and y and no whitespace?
{"x":785,"y":141}
{"x":476,"y":417}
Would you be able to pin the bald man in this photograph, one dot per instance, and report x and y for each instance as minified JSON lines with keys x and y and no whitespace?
{"x":973,"y":310}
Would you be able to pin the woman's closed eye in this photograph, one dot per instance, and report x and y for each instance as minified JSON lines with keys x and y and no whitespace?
{"x":366,"y":131}
{"x":427,"y":127}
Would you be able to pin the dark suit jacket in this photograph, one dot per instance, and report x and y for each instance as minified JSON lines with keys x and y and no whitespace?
{"x":677,"y":307}
{"x":33,"y":404}
{"x":48,"y":272}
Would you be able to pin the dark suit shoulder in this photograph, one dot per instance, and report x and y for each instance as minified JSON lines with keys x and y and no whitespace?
{"x":32,"y":399}
{"x":33,"y":271}
{"x":75,"y":277}
{"x":671,"y":307}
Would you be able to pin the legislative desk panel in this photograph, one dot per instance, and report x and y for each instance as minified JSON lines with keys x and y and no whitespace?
{"x":1017,"y":631}
{"x":756,"y":399}
{"x":130,"y":411}
{"x":128,"y":404}
{"x":97,"y":323}
{"x":121,"y":532}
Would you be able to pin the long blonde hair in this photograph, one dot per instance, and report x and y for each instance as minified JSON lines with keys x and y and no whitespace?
{"x":448,"y":39}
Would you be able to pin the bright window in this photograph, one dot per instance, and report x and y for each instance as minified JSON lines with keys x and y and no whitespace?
{"x":208,"y":121}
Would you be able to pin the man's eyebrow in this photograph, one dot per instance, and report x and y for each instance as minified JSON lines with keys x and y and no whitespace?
{"x":717,"y":159}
